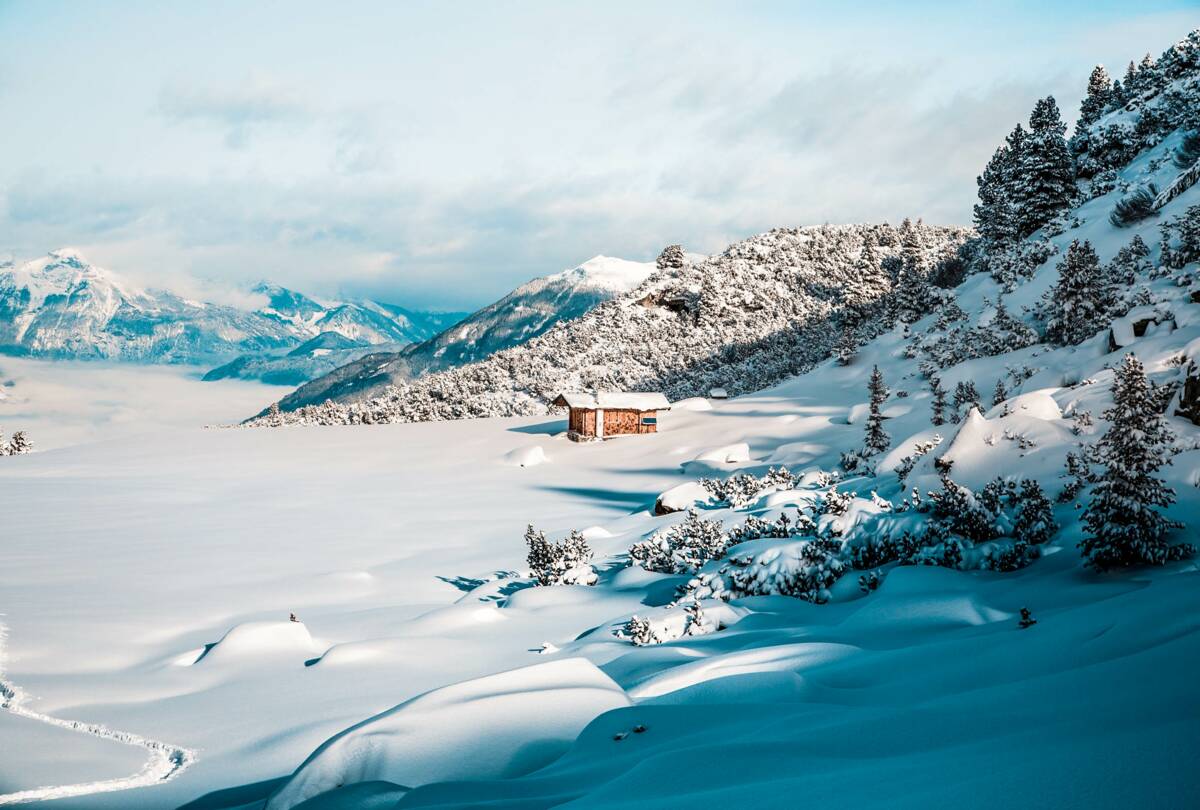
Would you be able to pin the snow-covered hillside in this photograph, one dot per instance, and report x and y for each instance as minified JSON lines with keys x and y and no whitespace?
{"x":950,"y":566}
{"x":765,"y":308}
{"x":62,"y":306}
{"x":522,"y":315}
{"x":311,"y":359}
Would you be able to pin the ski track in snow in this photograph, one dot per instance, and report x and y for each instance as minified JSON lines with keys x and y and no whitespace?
{"x":165,"y":761}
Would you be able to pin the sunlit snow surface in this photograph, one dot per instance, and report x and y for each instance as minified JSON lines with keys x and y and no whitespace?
{"x":150,"y":568}
{"x":148,"y":578}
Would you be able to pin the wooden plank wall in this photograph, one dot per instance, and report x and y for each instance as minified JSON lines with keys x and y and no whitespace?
{"x":618,"y":422}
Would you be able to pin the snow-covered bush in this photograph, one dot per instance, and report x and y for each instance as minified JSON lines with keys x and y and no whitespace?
{"x":801,"y":568}
{"x":1135,"y":207}
{"x":567,"y":562}
{"x":962,"y":513}
{"x":18,"y":445}
{"x":640,"y":632}
{"x":743,"y":489}
{"x":682,"y":548}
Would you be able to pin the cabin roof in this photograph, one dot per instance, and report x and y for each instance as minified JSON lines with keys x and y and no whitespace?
{"x":616,"y":400}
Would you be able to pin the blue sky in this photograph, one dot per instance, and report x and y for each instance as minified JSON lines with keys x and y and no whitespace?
{"x":436,"y":154}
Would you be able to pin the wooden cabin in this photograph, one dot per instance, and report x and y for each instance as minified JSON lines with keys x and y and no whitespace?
{"x":611,"y":413}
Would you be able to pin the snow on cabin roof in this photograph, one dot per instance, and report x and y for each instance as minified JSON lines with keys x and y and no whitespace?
{"x":615,"y":400}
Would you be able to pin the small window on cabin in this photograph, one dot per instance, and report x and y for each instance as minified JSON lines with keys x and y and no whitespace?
{"x":649,"y":420}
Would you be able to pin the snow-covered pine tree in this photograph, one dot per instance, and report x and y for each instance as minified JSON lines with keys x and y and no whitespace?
{"x":1046,"y":173}
{"x":1131,"y":86}
{"x":995,"y":213}
{"x":1035,"y":522}
{"x":18,"y":444}
{"x":672,"y":257}
{"x":1187,"y":226}
{"x":1119,"y":96}
{"x":966,"y":394}
{"x":1150,"y":78}
{"x":847,"y":348}
{"x":1077,"y":306}
{"x":877,"y":439}
{"x":938,"y":403}
{"x":1124,"y":526}
{"x":999,"y":394}
{"x":1098,"y":99}
{"x":911,"y":300}
{"x":1130,"y":262}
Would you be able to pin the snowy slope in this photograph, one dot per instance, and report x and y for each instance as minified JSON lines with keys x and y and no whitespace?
{"x":311,"y":359}
{"x":61,"y":306}
{"x":523,"y":314}
{"x":765,"y":308}
{"x":148,"y":582}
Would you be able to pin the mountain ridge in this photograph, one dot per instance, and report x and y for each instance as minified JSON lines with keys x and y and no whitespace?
{"x":60,"y":306}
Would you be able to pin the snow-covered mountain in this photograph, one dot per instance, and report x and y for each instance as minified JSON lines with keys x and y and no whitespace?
{"x":764,"y":309}
{"x":895,"y":543}
{"x":62,"y":306}
{"x":311,"y":359}
{"x":523,"y":314}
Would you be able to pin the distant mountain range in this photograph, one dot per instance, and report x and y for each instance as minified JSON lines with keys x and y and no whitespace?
{"x":62,"y":306}
{"x":525,"y":313}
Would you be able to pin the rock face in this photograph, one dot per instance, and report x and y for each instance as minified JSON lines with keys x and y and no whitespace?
{"x":1189,"y":396}
{"x":61,"y":306}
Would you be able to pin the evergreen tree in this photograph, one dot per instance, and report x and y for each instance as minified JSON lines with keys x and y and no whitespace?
{"x":1122,"y":522}
{"x":1035,"y":522}
{"x":938,"y":403}
{"x":1130,"y":262}
{"x":1149,"y":77}
{"x":1045,"y":176}
{"x":19,"y":444}
{"x":998,"y":393}
{"x":965,"y":393}
{"x":995,"y":213}
{"x":1187,"y":226}
{"x":672,"y":257}
{"x":912,"y":299}
{"x":1078,"y":304}
{"x":867,"y":286}
{"x":877,"y":439}
{"x":1132,"y":86}
{"x":1096,"y":102}
{"x":1119,"y":95}
{"x":847,"y":348}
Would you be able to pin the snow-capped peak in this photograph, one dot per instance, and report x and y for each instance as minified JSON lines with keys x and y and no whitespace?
{"x":609,"y":273}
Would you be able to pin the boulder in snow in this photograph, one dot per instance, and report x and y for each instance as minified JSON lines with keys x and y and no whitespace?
{"x":684,"y":496}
